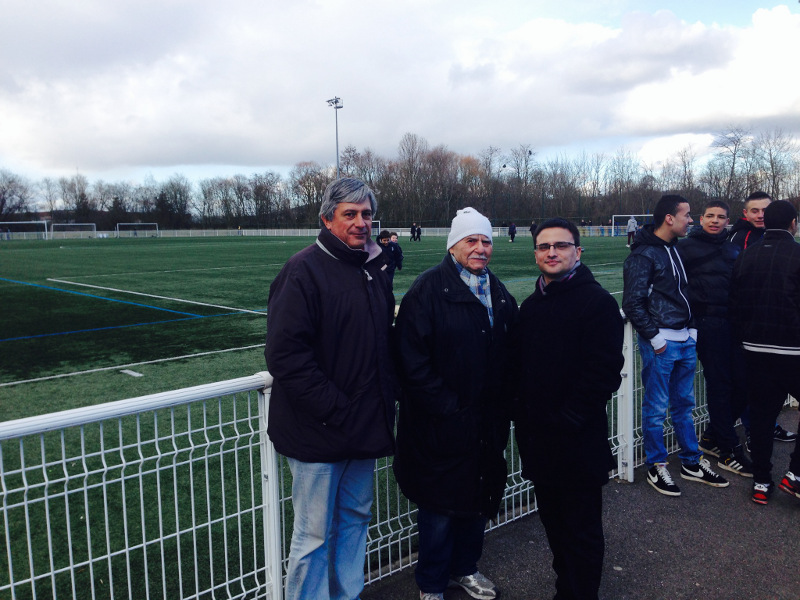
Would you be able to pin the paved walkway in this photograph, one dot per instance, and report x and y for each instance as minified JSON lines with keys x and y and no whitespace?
{"x":708,"y":544}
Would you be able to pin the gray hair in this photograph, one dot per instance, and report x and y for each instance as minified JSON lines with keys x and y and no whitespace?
{"x":346,"y":189}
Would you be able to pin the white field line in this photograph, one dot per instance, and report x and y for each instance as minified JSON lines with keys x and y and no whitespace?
{"x":198,"y":269}
{"x":110,"y":289}
{"x":123,"y":367}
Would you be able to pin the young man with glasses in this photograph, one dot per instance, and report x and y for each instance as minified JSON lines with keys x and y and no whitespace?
{"x":655,"y":300}
{"x":568,"y":356}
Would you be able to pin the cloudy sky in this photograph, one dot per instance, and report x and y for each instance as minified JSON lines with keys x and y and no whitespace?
{"x":118,"y":89}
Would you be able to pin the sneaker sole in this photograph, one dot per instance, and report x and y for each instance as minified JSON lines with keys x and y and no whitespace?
{"x":734,"y":470}
{"x":701,"y":480}
{"x":789,"y":490}
{"x":660,"y":491}
{"x":760,"y":501}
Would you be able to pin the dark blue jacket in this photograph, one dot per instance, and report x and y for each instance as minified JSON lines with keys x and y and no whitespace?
{"x":455,"y":403}
{"x":708,"y":260}
{"x":654,"y":295}
{"x":568,"y":354}
{"x":329,"y":318}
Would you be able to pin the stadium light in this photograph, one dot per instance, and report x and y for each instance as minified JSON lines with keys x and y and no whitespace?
{"x":336,"y":103}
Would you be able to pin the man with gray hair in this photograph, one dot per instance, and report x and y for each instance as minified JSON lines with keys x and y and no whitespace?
{"x":331,"y":411}
{"x":452,"y":335}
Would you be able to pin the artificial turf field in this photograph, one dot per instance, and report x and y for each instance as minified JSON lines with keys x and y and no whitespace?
{"x":95,"y":320}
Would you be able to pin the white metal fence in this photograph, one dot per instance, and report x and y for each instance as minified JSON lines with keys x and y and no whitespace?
{"x":180,"y":495}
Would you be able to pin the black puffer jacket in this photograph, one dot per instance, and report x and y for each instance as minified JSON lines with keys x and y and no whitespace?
{"x":654,"y":295}
{"x":328,"y":324}
{"x":708,"y":260}
{"x":455,"y":404}
{"x":568,"y":351}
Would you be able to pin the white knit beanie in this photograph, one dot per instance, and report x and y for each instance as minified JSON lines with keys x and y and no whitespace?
{"x":468,"y":221}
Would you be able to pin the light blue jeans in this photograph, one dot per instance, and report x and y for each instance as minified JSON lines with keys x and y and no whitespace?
{"x":332,"y":509}
{"x":668,"y":380}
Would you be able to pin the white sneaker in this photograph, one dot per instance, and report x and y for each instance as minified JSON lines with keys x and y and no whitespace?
{"x":476,"y":585}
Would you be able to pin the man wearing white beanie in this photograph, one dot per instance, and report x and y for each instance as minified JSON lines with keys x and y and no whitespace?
{"x":452,"y":330}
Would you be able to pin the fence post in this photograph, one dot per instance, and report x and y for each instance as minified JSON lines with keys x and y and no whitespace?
{"x":625,"y":408}
{"x":270,"y":493}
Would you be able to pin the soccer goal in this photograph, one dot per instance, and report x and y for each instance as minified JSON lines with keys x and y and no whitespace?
{"x":620,"y":222}
{"x":129,"y":230}
{"x":23,"y":230}
{"x":63,"y":231}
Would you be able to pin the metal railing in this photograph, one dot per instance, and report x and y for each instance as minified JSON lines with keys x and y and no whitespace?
{"x":181,"y":495}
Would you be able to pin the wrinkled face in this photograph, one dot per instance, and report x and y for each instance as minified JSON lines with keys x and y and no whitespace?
{"x":754,"y":212}
{"x":679,"y":223}
{"x":714,"y":220}
{"x":351,"y":223}
{"x":473,"y":253}
{"x":555,"y":262}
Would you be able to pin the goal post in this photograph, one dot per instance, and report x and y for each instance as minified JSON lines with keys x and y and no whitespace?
{"x":620,"y":222}
{"x":23,"y":230}
{"x":136,"y":230}
{"x":72,"y":230}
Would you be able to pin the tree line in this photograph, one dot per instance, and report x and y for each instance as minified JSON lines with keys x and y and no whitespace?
{"x":427,"y":184}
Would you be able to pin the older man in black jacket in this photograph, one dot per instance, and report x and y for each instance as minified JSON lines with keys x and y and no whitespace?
{"x":331,"y":412}
{"x":568,"y":352}
{"x":452,"y":331}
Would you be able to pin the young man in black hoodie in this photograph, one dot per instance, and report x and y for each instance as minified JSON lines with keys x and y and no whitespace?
{"x":708,"y":258}
{"x":765,"y":311}
{"x":655,"y":301}
{"x":748,"y":230}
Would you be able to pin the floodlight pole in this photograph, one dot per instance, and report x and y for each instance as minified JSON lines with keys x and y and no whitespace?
{"x":336,"y":103}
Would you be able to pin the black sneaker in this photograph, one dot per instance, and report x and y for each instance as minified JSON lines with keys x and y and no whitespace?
{"x":661,"y":480}
{"x":702,"y":473}
{"x":781,"y":435}
{"x":762,"y":492}
{"x":708,"y":446}
{"x":476,"y":585}
{"x":790,"y":484}
{"x":736,"y":462}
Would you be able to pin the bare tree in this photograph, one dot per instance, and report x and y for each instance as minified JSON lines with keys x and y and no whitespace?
{"x":776,"y":153}
{"x":15,"y":194}
{"x":731,"y":145}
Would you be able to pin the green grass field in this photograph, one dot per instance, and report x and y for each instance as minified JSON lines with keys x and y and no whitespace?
{"x":173,"y":312}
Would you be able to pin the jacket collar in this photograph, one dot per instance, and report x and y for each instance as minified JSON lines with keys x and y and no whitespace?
{"x":336,"y":248}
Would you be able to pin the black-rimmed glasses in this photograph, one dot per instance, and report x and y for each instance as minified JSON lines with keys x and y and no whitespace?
{"x":556,"y":245}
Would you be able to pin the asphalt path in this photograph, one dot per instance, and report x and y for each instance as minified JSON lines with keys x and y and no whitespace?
{"x":707,"y":544}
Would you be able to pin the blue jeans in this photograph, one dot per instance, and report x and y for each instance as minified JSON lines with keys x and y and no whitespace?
{"x":332,"y":509}
{"x":668,"y":380}
{"x":448,"y":546}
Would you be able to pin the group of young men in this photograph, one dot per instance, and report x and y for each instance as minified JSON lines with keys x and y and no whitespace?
{"x":733,"y":300}
{"x":462,"y":361}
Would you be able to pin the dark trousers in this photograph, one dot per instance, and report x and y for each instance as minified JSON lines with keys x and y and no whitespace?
{"x":723,"y":370}
{"x":773,"y":377}
{"x":573,"y":521}
{"x":448,"y":546}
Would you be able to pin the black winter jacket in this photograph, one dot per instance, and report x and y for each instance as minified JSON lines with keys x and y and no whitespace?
{"x":708,"y":260}
{"x":568,"y":351}
{"x":765,"y":295}
{"x":744,"y":234}
{"x":654,"y":295}
{"x":328,"y":325}
{"x":454,"y":409}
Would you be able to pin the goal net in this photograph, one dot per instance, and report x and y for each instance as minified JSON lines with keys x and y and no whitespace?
{"x":132,"y":230}
{"x":23,"y":230}
{"x":620,"y":222}
{"x":63,"y":231}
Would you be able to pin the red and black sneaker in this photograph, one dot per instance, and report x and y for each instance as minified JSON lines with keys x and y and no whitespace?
{"x":762,"y":492}
{"x":790,"y":484}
